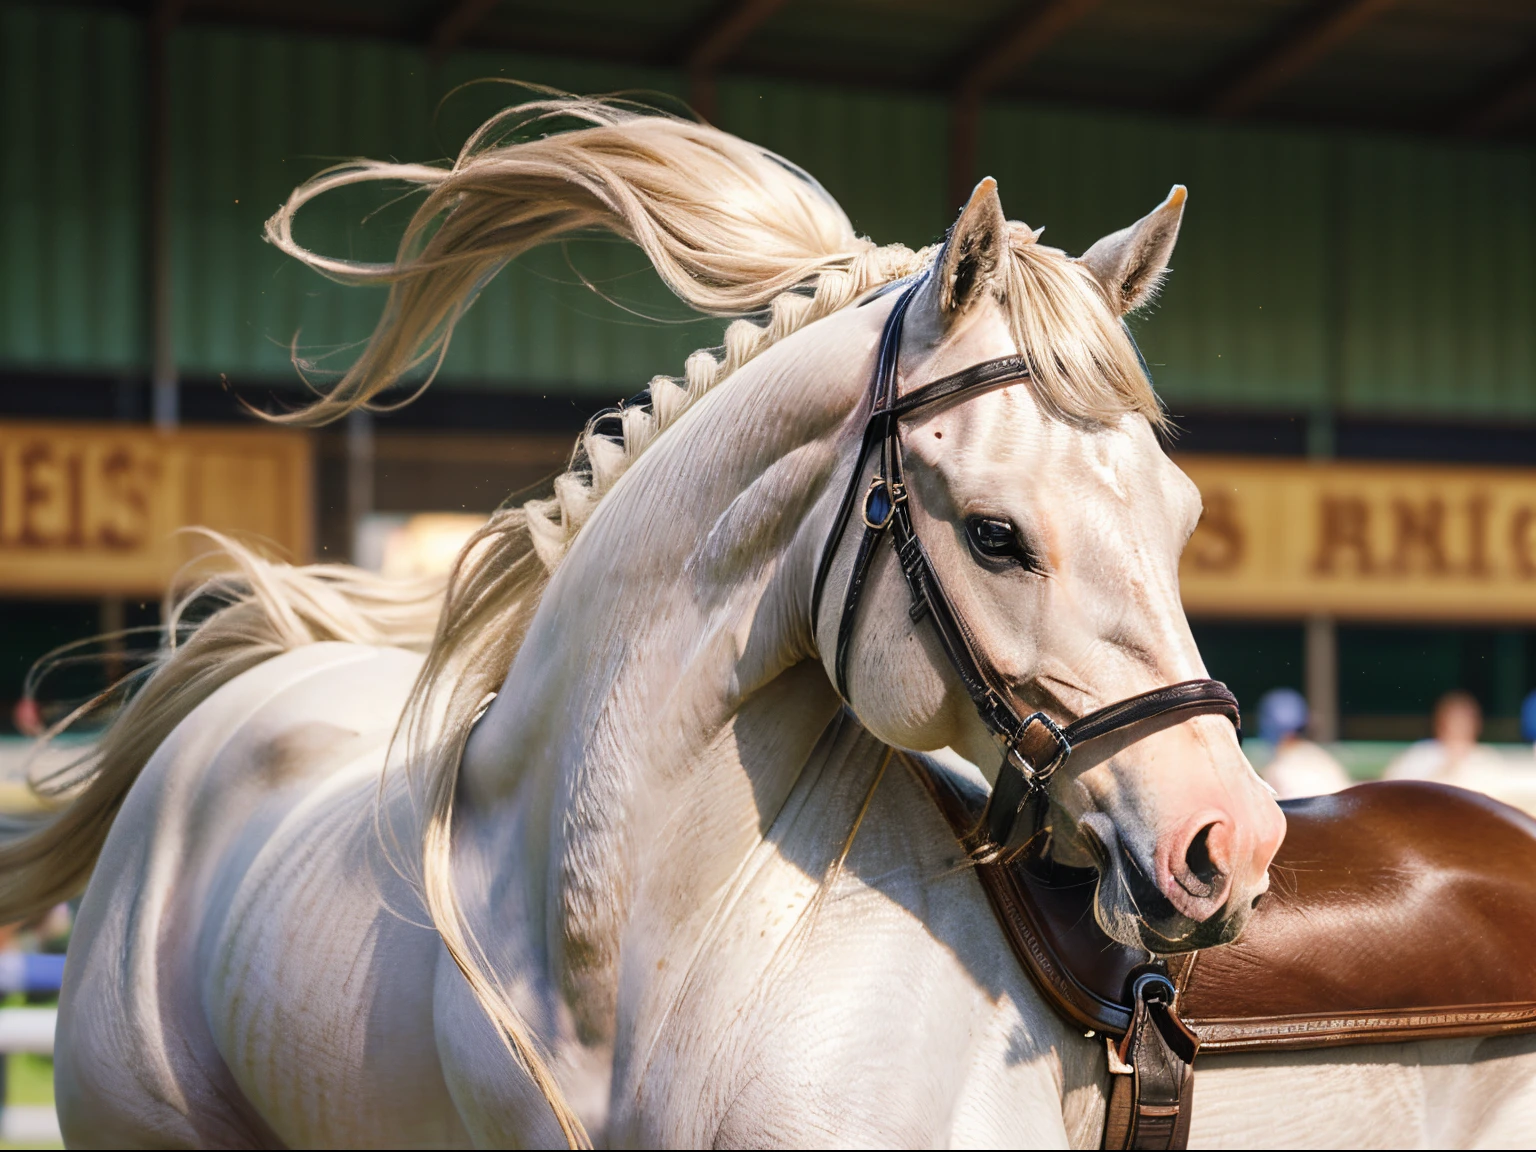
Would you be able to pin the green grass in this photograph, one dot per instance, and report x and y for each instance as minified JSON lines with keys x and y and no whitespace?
{"x":29,"y":1079}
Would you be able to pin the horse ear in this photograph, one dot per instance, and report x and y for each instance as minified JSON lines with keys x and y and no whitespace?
{"x":973,"y":251}
{"x":1132,"y":262}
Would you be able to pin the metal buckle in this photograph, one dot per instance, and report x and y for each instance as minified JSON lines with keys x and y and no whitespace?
{"x":893,"y":495}
{"x":1037,"y":776}
{"x":1155,"y":988}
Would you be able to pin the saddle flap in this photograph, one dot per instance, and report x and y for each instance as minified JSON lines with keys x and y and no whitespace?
{"x":1047,"y":917}
{"x":1396,"y":911}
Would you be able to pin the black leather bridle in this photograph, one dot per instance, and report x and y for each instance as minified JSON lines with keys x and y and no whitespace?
{"x":1034,"y":745}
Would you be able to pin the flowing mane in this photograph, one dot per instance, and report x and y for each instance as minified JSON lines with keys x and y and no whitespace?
{"x":734,"y":231}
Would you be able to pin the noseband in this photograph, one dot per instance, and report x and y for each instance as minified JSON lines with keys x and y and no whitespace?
{"x":1034,"y":745}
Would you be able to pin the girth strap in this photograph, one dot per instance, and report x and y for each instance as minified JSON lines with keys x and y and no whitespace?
{"x":1034,"y":745}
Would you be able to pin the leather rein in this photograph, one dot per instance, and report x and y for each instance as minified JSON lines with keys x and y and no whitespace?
{"x":1034,"y":745}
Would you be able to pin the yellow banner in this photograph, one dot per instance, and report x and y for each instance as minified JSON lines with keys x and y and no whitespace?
{"x":1368,"y":541}
{"x":93,"y":509}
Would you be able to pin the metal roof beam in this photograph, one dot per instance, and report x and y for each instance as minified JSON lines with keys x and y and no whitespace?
{"x":723,"y":36}
{"x":1510,"y":100}
{"x":1032,"y":29}
{"x":1297,"y":48}
{"x":457,"y":21}
{"x":716,"y":42}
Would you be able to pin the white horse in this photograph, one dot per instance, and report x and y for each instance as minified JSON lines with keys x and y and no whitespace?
{"x":667,"y":887}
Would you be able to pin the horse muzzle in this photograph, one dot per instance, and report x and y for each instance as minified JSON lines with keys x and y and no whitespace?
{"x":1184,"y":898}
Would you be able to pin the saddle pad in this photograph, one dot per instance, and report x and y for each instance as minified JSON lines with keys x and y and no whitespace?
{"x":1396,"y":911}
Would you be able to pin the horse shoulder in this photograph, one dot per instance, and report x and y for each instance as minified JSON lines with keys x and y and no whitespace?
{"x":873,"y":991}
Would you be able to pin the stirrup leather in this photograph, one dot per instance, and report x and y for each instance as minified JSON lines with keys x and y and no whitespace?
{"x":1152,"y":1080}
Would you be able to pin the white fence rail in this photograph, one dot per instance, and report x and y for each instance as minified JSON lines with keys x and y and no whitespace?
{"x":28,"y":1030}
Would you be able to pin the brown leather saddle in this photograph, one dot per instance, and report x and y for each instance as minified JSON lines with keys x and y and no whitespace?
{"x":1396,"y":911}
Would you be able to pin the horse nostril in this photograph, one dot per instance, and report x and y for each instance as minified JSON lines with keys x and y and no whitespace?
{"x":1198,"y":857}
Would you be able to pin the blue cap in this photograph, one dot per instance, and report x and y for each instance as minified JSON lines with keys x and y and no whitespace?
{"x":1283,"y":712}
{"x":1528,"y":717}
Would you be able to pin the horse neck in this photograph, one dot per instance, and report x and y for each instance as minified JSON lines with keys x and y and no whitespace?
{"x":665,"y":698}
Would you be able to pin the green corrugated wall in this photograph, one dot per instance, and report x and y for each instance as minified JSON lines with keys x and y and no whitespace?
{"x":1439,"y":300}
{"x":272,"y":110}
{"x":71,"y":190}
{"x":1244,"y":319}
{"x":1372,"y":275}
{"x":880,"y":155}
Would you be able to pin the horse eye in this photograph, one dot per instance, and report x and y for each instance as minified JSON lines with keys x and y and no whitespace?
{"x":994,"y":538}
{"x":999,"y":540}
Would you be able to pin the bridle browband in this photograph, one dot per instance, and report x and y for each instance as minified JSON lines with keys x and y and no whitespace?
{"x":1034,"y":745}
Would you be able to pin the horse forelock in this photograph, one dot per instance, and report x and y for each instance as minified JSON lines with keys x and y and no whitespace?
{"x":1084,"y":366}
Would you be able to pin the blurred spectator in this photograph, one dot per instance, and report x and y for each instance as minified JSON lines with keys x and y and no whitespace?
{"x":46,"y":932}
{"x":1528,"y":719}
{"x":1299,"y":767}
{"x":1453,"y":755}
{"x":27,"y":718}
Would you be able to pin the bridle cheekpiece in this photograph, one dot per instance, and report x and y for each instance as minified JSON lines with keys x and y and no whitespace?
{"x":1034,"y":745}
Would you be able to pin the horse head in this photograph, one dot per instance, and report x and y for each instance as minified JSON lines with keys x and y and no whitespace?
{"x":1052,"y":521}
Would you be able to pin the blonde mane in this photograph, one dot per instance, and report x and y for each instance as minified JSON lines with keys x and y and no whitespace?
{"x":734,"y":231}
